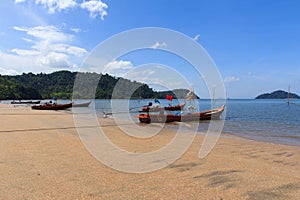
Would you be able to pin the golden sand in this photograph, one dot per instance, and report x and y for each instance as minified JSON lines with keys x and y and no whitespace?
{"x":42,"y":157}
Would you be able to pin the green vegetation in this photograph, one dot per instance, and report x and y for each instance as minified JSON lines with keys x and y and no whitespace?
{"x":279,"y":94}
{"x":60,"y":85}
{"x":10,"y":89}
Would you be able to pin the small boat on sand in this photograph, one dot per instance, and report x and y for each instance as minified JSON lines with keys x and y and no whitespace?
{"x":197,"y":116}
{"x":49,"y":106}
{"x":25,"y":102}
{"x":86,"y":104}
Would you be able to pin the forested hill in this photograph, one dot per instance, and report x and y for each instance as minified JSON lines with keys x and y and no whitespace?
{"x":279,"y":94}
{"x":60,"y":84}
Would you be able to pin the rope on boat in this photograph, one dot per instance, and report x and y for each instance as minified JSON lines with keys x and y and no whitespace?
{"x":106,"y":114}
{"x":135,"y":107}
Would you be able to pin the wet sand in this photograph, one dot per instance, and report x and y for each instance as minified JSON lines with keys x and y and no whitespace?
{"x":42,"y":157}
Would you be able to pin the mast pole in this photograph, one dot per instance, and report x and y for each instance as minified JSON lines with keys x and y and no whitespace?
{"x":213,"y":97}
{"x":289,"y":95}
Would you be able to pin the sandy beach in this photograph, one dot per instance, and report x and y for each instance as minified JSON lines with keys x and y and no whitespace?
{"x":42,"y":157}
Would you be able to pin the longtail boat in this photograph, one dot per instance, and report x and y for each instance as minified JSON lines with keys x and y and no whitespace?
{"x":25,"y":102}
{"x":197,"y":116}
{"x":48,"y":106}
{"x":81,"y":104}
{"x":168,"y":108}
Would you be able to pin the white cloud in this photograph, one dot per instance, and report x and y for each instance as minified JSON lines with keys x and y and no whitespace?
{"x":157,"y":45}
{"x":152,"y":74}
{"x":7,"y":71}
{"x":196,"y":37}
{"x":23,"y":52}
{"x":56,"y":60}
{"x":16,"y":64}
{"x":118,"y":68}
{"x":76,"y":51}
{"x":64,"y":48}
{"x":28,"y":40}
{"x":54,"y":5}
{"x":49,"y":49}
{"x":95,"y":7}
{"x":155,"y":75}
{"x":50,"y":33}
{"x":76,"y":30}
{"x":19,"y":1}
{"x":230,"y":79}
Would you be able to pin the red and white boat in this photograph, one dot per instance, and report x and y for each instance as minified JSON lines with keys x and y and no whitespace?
{"x":197,"y":116}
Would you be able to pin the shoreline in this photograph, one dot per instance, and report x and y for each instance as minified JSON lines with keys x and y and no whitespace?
{"x":226,"y":134}
{"x":52,"y":163}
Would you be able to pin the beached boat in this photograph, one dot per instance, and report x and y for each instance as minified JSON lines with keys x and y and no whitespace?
{"x":158,"y":109}
{"x":25,"y":102}
{"x":162,"y":118}
{"x":49,"y":106}
{"x":81,"y":104}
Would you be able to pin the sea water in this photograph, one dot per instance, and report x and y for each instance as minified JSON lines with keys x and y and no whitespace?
{"x":262,"y":120}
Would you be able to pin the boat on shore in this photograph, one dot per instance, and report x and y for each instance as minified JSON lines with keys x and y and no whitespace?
{"x":213,"y":114}
{"x":167,"y":108}
{"x":48,"y":106}
{"x":25,"y":102}
{"x":86,"y":104}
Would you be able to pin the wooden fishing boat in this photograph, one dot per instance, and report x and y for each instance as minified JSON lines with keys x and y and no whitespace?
{"x":159,"y":109}
{"x":25,"y":102}
{"x":48,"y":106}
{"x":81,"y":104}
{"x":162,"y":118}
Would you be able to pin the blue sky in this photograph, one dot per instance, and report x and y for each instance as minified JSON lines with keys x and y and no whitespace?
{"x":255,"y":44}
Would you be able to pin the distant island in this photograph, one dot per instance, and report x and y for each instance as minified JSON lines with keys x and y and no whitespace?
{"x":279,"y":94}
{"x":60,"y":85}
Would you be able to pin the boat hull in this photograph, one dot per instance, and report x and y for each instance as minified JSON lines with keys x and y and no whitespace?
{"x":52,"y":107}
{"x":162,"y":118}
{"x":81,"y":105}
{"x":25,"y":102}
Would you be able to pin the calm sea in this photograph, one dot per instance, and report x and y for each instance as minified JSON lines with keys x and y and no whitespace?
{"x":263,"y":120}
